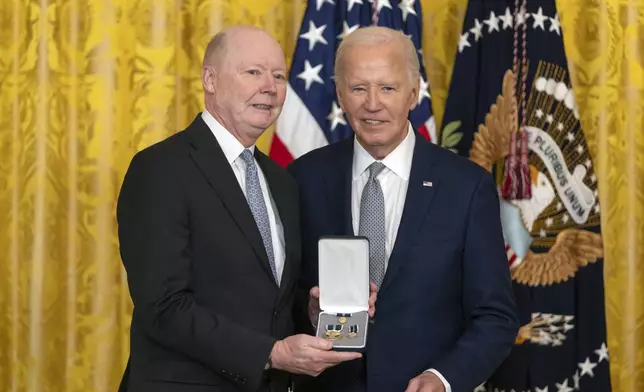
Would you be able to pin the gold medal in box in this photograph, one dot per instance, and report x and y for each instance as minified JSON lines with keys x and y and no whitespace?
{"x":343,"y":278}
{"x":342,"y":318}
{"x":333,"y":332}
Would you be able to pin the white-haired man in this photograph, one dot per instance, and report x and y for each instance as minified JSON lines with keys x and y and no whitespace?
{"x":209,"y":235}
{"x":446,"y":316}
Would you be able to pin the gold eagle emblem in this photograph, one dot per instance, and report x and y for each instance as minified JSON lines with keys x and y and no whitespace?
{"x":572,"y":247}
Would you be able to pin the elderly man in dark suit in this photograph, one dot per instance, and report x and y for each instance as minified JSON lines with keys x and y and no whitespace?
{"x":446,"y":316}
{"x":210,"y":239}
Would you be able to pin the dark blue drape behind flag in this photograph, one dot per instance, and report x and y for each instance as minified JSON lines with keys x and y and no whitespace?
{"x":553,"y":239}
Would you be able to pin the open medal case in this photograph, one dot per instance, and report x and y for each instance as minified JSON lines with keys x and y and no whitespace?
{"x":343,"y":263}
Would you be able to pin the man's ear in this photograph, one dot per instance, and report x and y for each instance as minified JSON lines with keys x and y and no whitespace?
{"x":208,"y":77}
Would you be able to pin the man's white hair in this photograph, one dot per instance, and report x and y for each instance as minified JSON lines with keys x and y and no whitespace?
{"x":218,"y":45}
{"x":216,"y":48}
{"x":378,"y":35}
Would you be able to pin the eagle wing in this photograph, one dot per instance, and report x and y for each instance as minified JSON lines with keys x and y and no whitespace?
{"x":492,"y":141}
{"x":573,"y":248}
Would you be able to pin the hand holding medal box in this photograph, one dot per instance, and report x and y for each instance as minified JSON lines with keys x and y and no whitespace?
{"x":343,"y":263}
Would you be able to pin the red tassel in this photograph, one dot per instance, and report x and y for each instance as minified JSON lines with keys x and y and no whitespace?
{"x":525,"y":185}
{"x":517,"y":181}
{"x":509,"y":187}
{"x":517,"y":184}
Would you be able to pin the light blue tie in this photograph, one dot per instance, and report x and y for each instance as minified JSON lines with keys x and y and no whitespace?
{"x":258,"y":207}
{"x":372,"y":223}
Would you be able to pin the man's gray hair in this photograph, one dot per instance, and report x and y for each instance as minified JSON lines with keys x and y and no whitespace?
{"x":376,"y":35}
{"x":216,"y":48}
{"x":218,"y":45}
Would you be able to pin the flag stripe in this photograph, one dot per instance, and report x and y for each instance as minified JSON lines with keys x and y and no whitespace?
{"x":297,"y":130}
{"x":279,"y":152}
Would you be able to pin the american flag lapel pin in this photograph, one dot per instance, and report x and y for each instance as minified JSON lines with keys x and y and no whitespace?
{"x":428,"y":184}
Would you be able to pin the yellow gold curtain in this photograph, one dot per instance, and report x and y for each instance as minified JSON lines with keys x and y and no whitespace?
{"x":604,"y":42}
{"x":84,"y":84}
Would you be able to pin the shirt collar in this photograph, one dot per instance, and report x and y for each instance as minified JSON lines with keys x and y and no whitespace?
{"x":231,"y":147}
{"x":398,"y":161}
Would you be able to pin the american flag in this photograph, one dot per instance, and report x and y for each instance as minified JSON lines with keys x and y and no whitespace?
{"x":311,"y":117}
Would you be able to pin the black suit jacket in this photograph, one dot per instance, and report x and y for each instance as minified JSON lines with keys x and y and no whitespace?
{"x":207,"y":310}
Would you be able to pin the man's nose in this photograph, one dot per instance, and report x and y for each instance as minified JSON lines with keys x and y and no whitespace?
{"x":372,"y":103}
{"x":269,"y":86}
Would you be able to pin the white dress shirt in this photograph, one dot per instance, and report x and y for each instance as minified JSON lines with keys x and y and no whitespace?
{"x":394,"y":179}
{"x":232,"y":149}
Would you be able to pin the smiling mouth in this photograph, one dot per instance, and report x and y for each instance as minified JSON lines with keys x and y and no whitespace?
{"x":373,"y":122}
{"x":262,"y":106}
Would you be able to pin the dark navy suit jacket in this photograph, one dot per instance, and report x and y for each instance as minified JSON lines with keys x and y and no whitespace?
{"x":446,"y":301}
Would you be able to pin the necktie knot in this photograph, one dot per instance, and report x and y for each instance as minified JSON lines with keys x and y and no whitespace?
{"x":375,"y":169}
{"x":247,"y":157}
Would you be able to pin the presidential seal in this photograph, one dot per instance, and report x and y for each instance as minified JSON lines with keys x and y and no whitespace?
{"x":546,"y":236}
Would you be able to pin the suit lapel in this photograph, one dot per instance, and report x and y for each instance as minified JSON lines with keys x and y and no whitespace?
{"x":338,"y":187}
{"x":210,"y":159}
{"x":279,"y":190}
{"x":420,"y":193}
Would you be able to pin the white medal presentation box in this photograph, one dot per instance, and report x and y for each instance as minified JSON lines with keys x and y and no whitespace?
{"x":343,"y":264}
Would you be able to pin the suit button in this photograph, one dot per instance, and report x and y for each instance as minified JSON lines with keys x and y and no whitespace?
{"x":276,"y":313}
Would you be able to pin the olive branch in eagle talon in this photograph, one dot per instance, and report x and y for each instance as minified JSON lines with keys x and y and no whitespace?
{"x":450,"y":136}
{"x":573,"y":247}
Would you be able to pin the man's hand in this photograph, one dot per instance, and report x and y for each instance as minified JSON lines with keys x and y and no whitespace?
{"x":304,"y":354}
{"x":426,"y":382}
{"x":314,"y":302}
{"x":373,"y":294}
